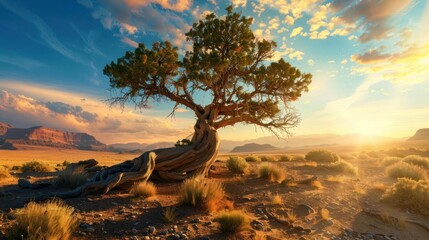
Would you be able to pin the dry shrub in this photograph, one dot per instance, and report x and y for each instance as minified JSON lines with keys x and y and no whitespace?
{"x":335,"y":179}
{"x":52,"y":220}
{"x":410,"y":194}
{"x":272,"y":173}
{"x":201,"y":192}
{"x":143,"y":189}
{"x":298,"y":158}
{"x":380,"y":186}
{"x":169,"y":214}
{"x":269,"y":158}
{"x":285,"y":158}
{"x":277,"y":199}
{"x":359,"y":190}
{"x":321,"y":156}
{"x":237,"y":164}
{"x":253,"y":158}
{"x":233,"y":221}
{"x":324,"y":214}
{"x":4,"y":173}
{"x":417,"y":160}
{"x":310,"y":164}
{"x":402,"y":169}
{"x":291,"y":216}
{"x":343,"y":167}
{"x":72,"y":176}
{"x":316,"y":184}
{"x":387,"y":161}
{"x":35,"y":167}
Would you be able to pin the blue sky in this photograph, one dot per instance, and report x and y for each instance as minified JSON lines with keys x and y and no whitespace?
{"x":369,"y":60}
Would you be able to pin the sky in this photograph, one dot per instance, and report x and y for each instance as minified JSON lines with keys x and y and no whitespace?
{"x":369,"y":60}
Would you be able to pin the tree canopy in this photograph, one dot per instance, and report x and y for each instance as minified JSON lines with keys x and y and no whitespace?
{"x":227,"y":63}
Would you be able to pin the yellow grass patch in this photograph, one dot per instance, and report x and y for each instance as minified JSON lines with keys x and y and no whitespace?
{"x":233,"y":221}
{"x":143,"y":189}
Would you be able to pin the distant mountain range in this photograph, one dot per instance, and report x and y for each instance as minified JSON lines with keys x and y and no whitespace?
{"x":421,"y":134}
{"x":43,"y":136}
{"x":254,"y":147}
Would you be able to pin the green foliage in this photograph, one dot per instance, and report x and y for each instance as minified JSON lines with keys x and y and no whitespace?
{"x":200,"y":192}
{"x":235,"y":70}
{"x":51,"y":220}
{"x":183,"y":143}
{"x":417,"y":160}
{"x":321,"y":156}
{"x":35,"y":167}
{"x":237,"y":164}
{"x":4,"y":173}
{"x":253,"y":158}
{"x":403,"y":169}
{"x":343,"y":167}
{"x":409,"y":194}
{"x":72,"y":176}
{"x":233,"y":221}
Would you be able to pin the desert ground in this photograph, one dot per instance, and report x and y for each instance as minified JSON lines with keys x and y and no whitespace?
{"x":337,"y":205}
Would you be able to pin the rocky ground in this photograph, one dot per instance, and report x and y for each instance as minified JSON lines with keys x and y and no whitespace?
{"x":355,"y":211}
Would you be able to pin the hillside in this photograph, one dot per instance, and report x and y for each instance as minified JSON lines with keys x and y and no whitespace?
{"x":44,"y":136}
{"x":421,"y":134}
{"x":3,"y":128}
{"x":254,"y":147}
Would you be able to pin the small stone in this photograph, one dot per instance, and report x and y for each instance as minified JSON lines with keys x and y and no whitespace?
{"x":90,"y":229}
{"x":134,"y":231}
{"x":98,"y":215}
{"x":195,"y":226}
{"x":195,"y":220}
{"x":146,"y":238}
{"x":152,"y":230}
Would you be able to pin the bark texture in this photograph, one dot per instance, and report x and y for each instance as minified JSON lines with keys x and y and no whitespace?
{"x":166,"y":164}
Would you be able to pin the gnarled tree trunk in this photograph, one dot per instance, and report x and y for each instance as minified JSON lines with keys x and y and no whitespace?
{"x":167,"y":164}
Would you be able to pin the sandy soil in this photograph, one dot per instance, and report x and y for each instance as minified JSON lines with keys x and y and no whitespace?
{"x":350,"y":203}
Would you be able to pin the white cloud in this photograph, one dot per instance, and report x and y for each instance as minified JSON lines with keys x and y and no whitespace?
{"x":310,"y":62}
{"x":239,"y":3}
{"x":296,"y":31}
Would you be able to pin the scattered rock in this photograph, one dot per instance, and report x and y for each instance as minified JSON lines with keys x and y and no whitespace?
{"x":152,"y":230}
{"x":303,"y":210}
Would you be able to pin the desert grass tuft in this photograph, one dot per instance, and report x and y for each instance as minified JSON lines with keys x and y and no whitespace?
{"x":417,"y":160}
{"x":321,"y":156}
{"x":298,"y":158}
{"x":335,"y":179}
{"x":285,"y":158}
{"x":409,"y":194}
{"x":403,"y":169}
{"x":143,"y":189}
{"x":201,"y":192}
{"x":277,"y":199}
{"x":272,"y":173}
{"x":233,"y":221}
{"x":72,"y":176}
{"x":310,"y":164}
{"x":343,"y":167}
{"x":291,"y":216}
{"x":324,"y":214}
{"x":387,"y":161}
{"x":52,"y":220}
{"x":35,"y":167}
{"x":253,"y":158}
{"x":237,"y":164}
{"x":169,"y":214}
{"x":269,"y":158}
{"x":4,"y":173}
{"x":380,"y":186}
{"x":316,"y":184}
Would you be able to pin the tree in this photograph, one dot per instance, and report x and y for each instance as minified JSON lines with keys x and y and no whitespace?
{"x":227,"y":64}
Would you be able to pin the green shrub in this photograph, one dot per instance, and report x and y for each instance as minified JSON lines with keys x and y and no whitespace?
{"x":35,"y":167}
{"x":237,"y":164}
{"x":4,"y":173}
{"x":285,"y":158}
{"x":233,"y":221}
{"x":343,"y":167}
{"x":269,"y":158}
{"x":409,"y":194}
{"x":272,"y":173}
{"x":143,"y":189}
{"x":201,"y":192}
{"x":417,"y":160}
{"x":321,"y":156}
{"x":16,"y":168}
{"x":52,"y":220}
{"x":387,"y":161}
{"x":253,"y":158}
{"x":402,"y":169}
{"x":72,"y":176}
